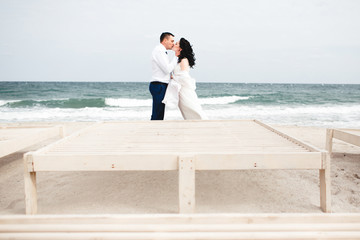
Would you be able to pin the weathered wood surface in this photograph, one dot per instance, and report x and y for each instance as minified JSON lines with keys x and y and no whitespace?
{"x":159,"y":145}
{"x":123,"y":146}
{"x":13,"y":139}
{"x":182,"y":226}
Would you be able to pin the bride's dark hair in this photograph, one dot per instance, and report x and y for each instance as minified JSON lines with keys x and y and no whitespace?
{"x":186,"y":52}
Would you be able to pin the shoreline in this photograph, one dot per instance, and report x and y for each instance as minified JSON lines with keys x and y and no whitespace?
{"x":257,"y":191}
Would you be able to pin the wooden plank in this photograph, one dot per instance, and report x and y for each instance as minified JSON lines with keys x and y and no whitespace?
{"x":346,"y":137}
{"x":353,"y":130}
{"x":173,"y":227}
{"x":172,"y":146}
{"x":199,"y":218}
{"x":309,"y":160}
{"x":171,"y":151}
{"x":104,"y":162}
{"x":186,"y":184}
{"x":206,"y":161}
{"x":152,"y":151}
{"x":185,"y":235}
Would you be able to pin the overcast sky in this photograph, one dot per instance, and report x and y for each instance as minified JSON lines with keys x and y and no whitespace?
{"x":264,"y":41}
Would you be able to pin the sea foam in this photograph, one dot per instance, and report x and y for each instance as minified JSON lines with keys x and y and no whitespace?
{"x":311,"y":115}
{"x":221,"y":100}
{"x":128,"y":102}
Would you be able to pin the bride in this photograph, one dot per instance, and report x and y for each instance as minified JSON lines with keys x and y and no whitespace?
{"x":181,"y":89}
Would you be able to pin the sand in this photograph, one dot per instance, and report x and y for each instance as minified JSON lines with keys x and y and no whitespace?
{"x":248,"y":191}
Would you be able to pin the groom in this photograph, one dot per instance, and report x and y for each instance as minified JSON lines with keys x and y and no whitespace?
{"x":161,"y":69}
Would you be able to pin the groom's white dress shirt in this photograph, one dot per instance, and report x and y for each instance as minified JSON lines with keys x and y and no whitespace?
{"x":161,"y":65}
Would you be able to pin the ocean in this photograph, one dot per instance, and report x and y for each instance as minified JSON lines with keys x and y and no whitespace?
{"x":324,"y":105}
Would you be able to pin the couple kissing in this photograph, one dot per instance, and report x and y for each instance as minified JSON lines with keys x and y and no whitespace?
{"x":171,"y":83}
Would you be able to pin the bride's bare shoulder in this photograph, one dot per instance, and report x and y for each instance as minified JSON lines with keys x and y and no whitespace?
{"x":184,"y":64}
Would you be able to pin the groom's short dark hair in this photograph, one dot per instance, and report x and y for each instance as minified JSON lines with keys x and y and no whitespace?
{"x":165,"y":35}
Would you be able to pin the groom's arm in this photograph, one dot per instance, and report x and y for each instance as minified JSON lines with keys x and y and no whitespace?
{"x":163,"y":62}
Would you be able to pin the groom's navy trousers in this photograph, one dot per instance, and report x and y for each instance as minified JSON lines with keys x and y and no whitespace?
{"x":157,"y":90}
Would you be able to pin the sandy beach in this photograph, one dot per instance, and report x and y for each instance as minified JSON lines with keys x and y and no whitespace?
{"x":255,"y":191}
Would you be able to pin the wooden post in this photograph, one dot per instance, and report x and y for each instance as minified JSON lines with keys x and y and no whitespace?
{"x":325,"y":178}
{"x":325,"y":184}
{"x":62,"y":131}
{"x":30,"y":185}
{"x":329,"y":140}
{"x":186,"y":184}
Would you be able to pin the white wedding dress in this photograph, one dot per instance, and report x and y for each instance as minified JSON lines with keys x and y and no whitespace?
{"x":181,"y":92}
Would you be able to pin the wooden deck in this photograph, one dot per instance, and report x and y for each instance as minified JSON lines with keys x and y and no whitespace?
{"x":15,"y":138}
{"x":181,"y":226}
{"x":184,"y":146}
